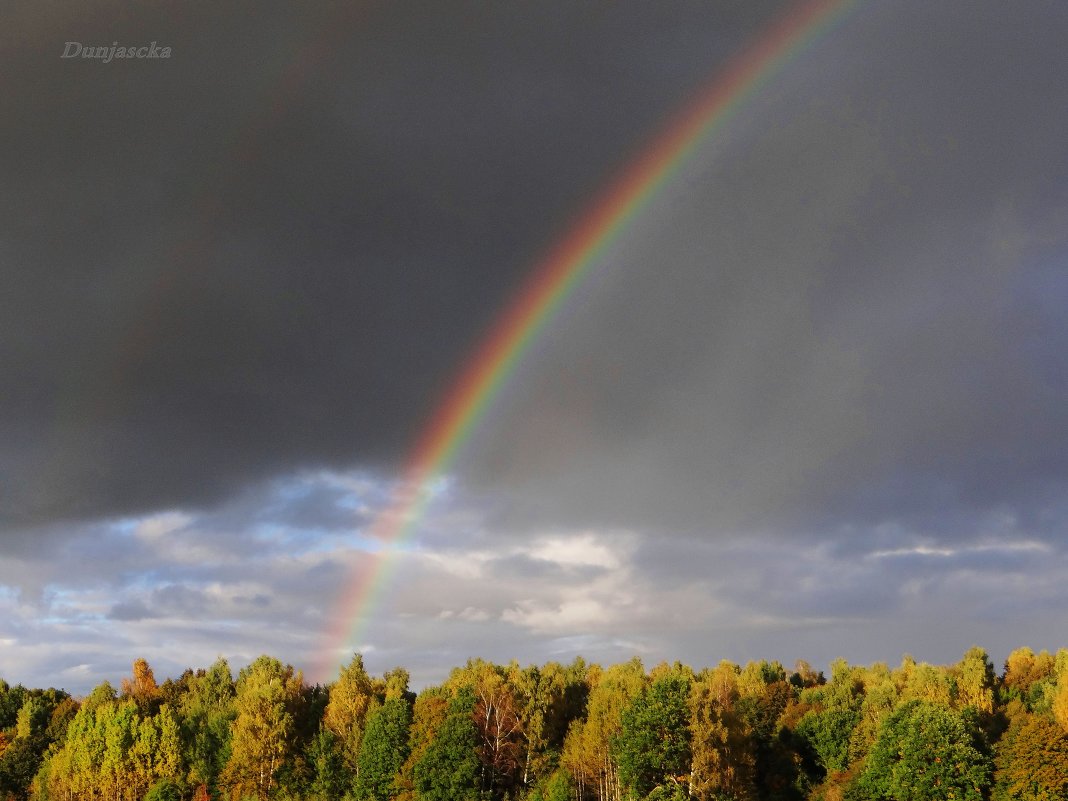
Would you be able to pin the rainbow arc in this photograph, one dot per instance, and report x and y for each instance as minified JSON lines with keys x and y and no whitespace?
{"x":550,"y":283}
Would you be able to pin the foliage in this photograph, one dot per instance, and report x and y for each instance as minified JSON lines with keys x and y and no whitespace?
{"x":18,"y":766}
{"x":164,"y":790}
{"x":267,"y":694}
{"x":975,"y":681}
{"x":587,"y":751}
{"x":448,"y":769}
{"x":207,"y":713}
{"x":351,"y":699}
{"x":1032,"y":761}
{"x":723,"y":761}
{"x":828,"y":733}
{"x":653,"y":744}
{"x":557,"y":787}
{"x":330,"y":780}
{"x":552,"y":732}
{"x":429,"y":713}
{"x":384,"y":749}
{"x":925,"y":751}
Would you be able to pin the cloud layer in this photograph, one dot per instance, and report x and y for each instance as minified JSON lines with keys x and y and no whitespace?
{"x":265,"y":573}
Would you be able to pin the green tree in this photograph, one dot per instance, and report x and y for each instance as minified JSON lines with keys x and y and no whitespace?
{"x":73,"y":770}
{"x":119,"y":722}
{"x":760,"y":708}
{"x":18,"y":765}
{"x":540,"y":694}
{"x":587,"y":751}
{"x":448,"y":769}
{"x":102,"y":694}
{"x":142,"y":754}
{"x":653,"y":744}
{"x":384,"y":749}
{"x":925,"y":752}
{"x":11,"y":701}
{"x":428,"y":716}
{"x":557,"y":787}
{"x":164,"y":790}
{"x":60,"y":719}
{"x":330,"y":780}
{"x":828,"y":733}
{"x":206,"y":711}
{"x":32,"y":719}
{"x":830,"y":716}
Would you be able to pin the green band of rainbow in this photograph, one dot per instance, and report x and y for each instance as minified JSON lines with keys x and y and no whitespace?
{"x":552,"y":280}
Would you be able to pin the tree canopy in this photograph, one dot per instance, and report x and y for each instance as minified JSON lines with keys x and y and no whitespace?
{"x":552,"y":732}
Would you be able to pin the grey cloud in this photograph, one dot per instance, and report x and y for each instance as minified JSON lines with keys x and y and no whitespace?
{"x":833,"y":320}
{"x":272,"y":250}
{"x":461,"y":597}
{"x":130,"y":610}
{"x":174,"y":600}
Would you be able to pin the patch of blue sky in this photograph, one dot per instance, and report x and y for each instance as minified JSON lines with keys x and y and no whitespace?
{"x":70,"y":607}
{"x":125,"y":525}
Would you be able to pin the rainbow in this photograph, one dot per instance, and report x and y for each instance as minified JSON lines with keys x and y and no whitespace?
{"x":550,"y":283}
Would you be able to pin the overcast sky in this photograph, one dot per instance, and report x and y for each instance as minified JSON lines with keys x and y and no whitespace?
{"x":811,"y":402}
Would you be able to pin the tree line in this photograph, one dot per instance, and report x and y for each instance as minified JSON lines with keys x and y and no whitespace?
{"x":554,"y":732}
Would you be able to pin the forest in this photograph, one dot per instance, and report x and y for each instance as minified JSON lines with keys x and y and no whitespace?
{"x":555,"y":732}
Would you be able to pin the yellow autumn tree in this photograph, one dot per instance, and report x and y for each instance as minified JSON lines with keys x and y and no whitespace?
{"x":351,"y":699}
{"x":975,"y":681}
{"x":142,"y":687}
{"x":268,"y":693}
{"x":588,"y":747}
{"x":1060,"y":701}
{"x":723,"y":761}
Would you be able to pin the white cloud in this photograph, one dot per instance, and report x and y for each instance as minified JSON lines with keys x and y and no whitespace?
{"x":465,"y":565}
{"x":156,"y":527}
{"x":576,"y":614}
{"x":583,"y":549}
{"x":473,"y":614}
{"x":462,"y":589}
{"x":1025,"y":546}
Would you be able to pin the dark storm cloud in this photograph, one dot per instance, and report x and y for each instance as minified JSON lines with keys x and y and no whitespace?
{"x":272,"y":249}
{"x":848,"y":311}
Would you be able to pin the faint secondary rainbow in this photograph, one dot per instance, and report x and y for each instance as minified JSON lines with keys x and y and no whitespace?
{"x":549,"y":284}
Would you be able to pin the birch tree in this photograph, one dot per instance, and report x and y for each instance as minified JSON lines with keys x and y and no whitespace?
{"x":267,"y":691}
